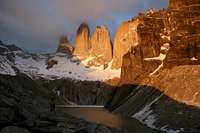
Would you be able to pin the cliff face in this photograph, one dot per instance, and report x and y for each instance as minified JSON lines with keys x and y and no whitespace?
{"x":185,"y":29}
{"x":97,"y":49}
{"x":151,"y":31}
{"x":168,"y":39}
{"x":180,"y":83}
{"x":81,"y":92}
{"x":126,"y":37}
{"x":101,"y":43}
{"x":133,"y":65}
{"x":153,"y":44}
{"x":101,"y":46}
{"x":163,"y":108}
{"x":171,"y":36}
{"x":146,"y":30}
{"x":181,"y":4}
{"x":176,"y":28}
{"x":82,"y":41}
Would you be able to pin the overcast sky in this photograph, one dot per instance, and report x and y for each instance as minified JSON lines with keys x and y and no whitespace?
{"x":35,"y":25}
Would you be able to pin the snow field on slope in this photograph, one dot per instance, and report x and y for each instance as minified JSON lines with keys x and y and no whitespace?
{"x":64,"y":69}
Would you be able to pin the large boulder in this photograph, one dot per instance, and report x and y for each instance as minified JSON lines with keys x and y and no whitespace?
{"x":64,"y":46}
{"x":82,"y":41}
{"x":101,"y":45}
{"x":51,"y":63}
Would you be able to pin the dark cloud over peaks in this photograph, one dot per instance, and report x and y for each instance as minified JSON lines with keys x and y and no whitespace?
{"x":36,"y":25}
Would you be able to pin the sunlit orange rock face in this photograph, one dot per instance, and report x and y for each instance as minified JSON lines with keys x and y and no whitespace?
{"x":150,"y":33}
{"x":101,"y":46}
{"x":126,"y":37}
{"x":101,"y":43}
{"x":82,"y":41}
{"x":144,"y":30}
{"x":133,"y":65}
{"x":181,"y":4}
{"x":181,"y":83}
{"x":97,"y":48}
{"x":175,"y":33}
{"x":185,"y":32}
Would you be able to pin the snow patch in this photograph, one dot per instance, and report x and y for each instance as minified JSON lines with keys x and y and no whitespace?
{"x":166,"y":129}
{"x":147,"y":117}
{"x":161,"y":57}
{"x":163,"y":48}
{"x":157,"y":69}
{"x":165,"y":37}
{"x":5,"y":67}
{"x":86,"y":60}
{"x":4,"y":47}
{"x":146,"y":114}
{"x":194,"y":59}
{"x":66,"y":68}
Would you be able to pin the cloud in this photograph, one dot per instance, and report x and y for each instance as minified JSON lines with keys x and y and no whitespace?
{"x":37,"y":24}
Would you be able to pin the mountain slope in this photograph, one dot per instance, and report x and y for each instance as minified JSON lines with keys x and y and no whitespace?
{"x":35,"y":66}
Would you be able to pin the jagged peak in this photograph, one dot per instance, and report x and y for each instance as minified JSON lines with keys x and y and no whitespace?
{"x":82,"y":41}
{"x":65,"y":46}
{"x":102,"y":27}
{"x":84,"y":26}
{"x":63,"y":39}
